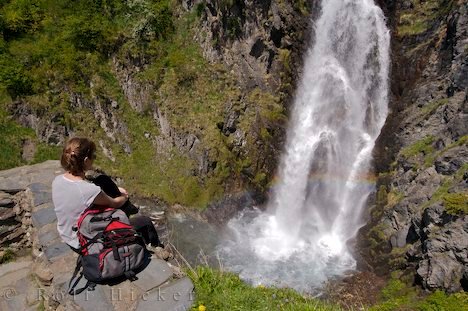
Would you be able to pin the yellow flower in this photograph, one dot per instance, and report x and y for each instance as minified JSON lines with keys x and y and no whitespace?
{"x":201,"y":308}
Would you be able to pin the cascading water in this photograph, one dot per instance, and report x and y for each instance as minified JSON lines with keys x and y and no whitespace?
{"x":340,"y":107}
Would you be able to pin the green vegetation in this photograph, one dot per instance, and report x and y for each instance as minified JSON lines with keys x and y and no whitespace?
{"x":7,"y":256}
{"x":422,"y":146}
{"x":418,"y":19}
{"x":11,"y":139}
{"x":425,"y":148}
{"x":396,"y":295}
{"x":456,"y":203}
{"x":377,"y":239}
{"x":441,"y":301}
{"x":399,"y":295}
{"x":431,"y":107}
{"x":217,"y":290}
{"x":302,"y":6}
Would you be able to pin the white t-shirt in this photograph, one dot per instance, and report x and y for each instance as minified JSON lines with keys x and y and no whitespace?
{"x":71,"y":198}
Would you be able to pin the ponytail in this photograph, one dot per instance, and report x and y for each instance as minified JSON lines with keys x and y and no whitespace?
{"x":74,"y":154}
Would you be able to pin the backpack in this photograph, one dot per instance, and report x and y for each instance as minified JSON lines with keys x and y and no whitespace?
{"x":110,"y":248}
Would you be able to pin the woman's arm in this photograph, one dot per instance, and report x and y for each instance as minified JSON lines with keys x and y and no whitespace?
{"x":105,"y":200}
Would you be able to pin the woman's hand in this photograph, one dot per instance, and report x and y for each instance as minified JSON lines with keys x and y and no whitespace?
{"x":105,"y":200}
{"x":123,"y":191}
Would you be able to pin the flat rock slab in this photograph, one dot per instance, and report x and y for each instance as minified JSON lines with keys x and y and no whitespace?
{"x":41,"y":193}
{"x":4,"y":195}
{"x":47,"y":237}
{"x":6,"y":202}
{"x":43,"y":206}
{"x":11,"y":187}
{"x":13,"y":266}
{"x":156,"y":273}
{"x":94,"y":300}
{"x":39,"y":187}
{"x":6,"y":213}
{"x":8,"y":279}
{"x":5,"y":229}
{"x":57,"y":250}
{"x":14,"y":302}
{"x":19,"y":292}
{"x":17,"y":179}
{"x":176,"y":296}
{"x":41,"y":198}
{"x":44,"y":217}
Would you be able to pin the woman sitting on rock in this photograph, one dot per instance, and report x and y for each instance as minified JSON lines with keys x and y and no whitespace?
{"x":72,"y":194}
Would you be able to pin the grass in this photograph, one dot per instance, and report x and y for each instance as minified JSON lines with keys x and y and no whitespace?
{"x":11,"y":142}
{"x":418,"y":19}
{"x":431,"y":107}
{"x":398,"y":294}
{"x":456,"y":203}
{"x":444,"y":302}
{"x":218,"y":290}
{"x":421,"y":146}
{"x":425,"y":148}
{"x":7,"y":256}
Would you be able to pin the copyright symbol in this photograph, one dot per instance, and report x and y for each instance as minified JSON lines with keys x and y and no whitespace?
{"x":9,"y":293}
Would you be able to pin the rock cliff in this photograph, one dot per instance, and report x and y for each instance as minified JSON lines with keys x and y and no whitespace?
{"x":418,"y":222}
{"x":208,"y":99}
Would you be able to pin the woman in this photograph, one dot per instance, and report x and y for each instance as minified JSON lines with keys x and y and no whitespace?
{"x":72,"y":194}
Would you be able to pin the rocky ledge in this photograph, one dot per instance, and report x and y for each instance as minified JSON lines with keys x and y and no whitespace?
{"x":40,"y":278}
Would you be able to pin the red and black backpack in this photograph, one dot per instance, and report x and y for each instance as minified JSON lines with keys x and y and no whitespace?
{"x":110,"y":247}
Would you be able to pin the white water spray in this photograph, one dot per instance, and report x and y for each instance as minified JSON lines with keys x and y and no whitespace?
{"x":340,"y":108}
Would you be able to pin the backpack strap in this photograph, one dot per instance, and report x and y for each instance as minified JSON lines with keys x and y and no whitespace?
{"x":93,"y":240}
{"x":115,"y":251}
{"x":71,"y":288}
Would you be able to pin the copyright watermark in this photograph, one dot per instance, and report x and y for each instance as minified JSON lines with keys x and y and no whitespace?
{"x":113,"y":294}
{"x":117,"y":294}
{"x":7,"y":293}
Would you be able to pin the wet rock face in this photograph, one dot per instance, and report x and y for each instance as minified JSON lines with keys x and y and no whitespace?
{"x":422,"y":151}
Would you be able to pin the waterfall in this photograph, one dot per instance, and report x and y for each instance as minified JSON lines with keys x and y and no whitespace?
{"x":339,"y":110}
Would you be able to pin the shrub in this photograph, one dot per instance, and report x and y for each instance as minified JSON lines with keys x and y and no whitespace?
{"x":14,"y":77}
{"x":456,"y":203}
{"x":21,"y":17}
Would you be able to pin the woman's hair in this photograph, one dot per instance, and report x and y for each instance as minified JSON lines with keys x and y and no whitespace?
{"x":74,"y":154}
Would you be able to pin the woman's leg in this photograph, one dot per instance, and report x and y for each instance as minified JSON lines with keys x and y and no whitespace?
{"x":107,"y":185}
{"x":145,"y":227}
